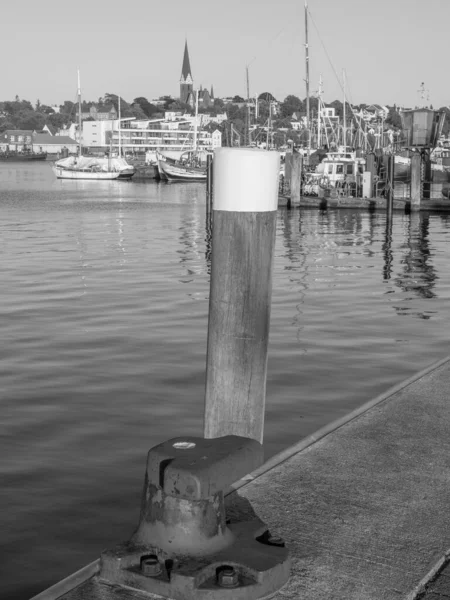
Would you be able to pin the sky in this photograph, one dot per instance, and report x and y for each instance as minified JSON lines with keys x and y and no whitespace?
{"x":387,"y":48}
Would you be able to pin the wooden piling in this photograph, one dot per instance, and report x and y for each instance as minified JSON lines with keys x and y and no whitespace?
{"x":416,"y":181}
{"x":372,"y":168}
{"x":288,"y":166}
{"x":209,"y":182}
{"x":245,"y":209}
{"x":296,"y":178}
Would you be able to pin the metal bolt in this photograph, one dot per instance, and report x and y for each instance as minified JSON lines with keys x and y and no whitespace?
{"x":228,"y":577}
{"x":150,"y":566}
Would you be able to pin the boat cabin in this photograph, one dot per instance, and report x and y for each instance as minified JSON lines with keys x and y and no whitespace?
{"x":341,"y":167}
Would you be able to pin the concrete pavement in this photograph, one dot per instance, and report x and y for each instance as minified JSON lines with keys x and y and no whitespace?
{"x":362,"y":504}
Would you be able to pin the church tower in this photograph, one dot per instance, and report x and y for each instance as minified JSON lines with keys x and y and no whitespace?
{"x":186,"y":81}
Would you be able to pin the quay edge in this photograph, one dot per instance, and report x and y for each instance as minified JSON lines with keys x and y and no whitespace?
{"x":362,"y":503}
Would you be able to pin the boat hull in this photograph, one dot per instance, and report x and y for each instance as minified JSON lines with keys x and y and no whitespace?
{"x":62,"y":173}
{"x":13,"y":157}
{"x":175,"y":172}
{"x":93,"y":168}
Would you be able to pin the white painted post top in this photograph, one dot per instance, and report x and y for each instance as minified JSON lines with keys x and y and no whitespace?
{"x":246,"y":179}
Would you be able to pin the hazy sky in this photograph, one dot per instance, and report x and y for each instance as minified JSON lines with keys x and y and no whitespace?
{"x":387,"y":48}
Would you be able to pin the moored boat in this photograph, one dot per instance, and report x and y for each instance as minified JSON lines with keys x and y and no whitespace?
{"x":87,"y":167}
{"x":191,"y":166}
{"x":22,"y":156}
{"x":337,"y":170}
{"x":188,"y":168}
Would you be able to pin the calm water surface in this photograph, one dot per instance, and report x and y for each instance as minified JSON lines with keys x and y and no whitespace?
{"x":103,"y":306}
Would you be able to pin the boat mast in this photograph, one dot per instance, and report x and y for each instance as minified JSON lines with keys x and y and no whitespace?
{"x":195,"y":122}
{"x":344,"y":125}
{"x":269,"y":126}
{"x":247,"y":112}
{"x":319,"y":108}
{"x":307,"y":80}
{"x":79,"y":113}
{"x":120,"y":140}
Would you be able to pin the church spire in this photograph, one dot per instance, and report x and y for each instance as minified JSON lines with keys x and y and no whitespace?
{"x":186,"y":81}
{"x":186,"y":75}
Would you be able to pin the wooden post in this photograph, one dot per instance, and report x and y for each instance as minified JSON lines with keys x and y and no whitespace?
{"x":245,"y":210}
{"x":209,"y":182}
{"x":296,"y":178}
{"x":288,"y":166}
{"x":390,"y":185}
{"x":416,"y":183}
{"x":371,"y":167}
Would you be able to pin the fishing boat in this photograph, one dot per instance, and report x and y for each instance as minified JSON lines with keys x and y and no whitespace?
{"x":183,"y":171}
{"x":25,"y":155}
{"x":87,"y":167}
{"x":191,"y":166}
{"x":339,"y":170}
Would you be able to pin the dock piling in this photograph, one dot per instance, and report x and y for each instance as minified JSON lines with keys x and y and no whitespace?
{"x":209,"y":182}
{"x":296,"y":178}
{"x":390,"y":185}
{"x":245,"y":209}
{"x":416,"y":181}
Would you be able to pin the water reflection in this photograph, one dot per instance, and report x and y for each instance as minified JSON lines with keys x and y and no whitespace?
{"x":418,"y":275}
{"x":387,"y":251}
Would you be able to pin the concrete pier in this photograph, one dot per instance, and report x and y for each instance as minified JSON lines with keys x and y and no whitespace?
{"x":362,"y":504}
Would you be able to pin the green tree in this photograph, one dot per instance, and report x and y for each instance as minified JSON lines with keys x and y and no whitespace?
{"x":394,"y":118}
{"x":29,"y":119}
{"x":58,"y":120}
{"x":290,"y":105}
{"x":267,"y":96}
{"x":46,"y":110}
{"x":148,"y":108}
{"x":67,"y":108}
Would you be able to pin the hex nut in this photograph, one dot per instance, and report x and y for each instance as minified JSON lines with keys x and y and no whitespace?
{"x":150,"y":566}
{"x":228,"y":577}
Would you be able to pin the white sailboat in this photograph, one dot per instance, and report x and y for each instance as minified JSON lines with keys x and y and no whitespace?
{"x":92,"y":167}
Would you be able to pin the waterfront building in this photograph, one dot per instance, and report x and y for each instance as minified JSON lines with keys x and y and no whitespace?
{"x":70,"y":131}
{"x":16,"y":140}
{"x":53,"y":144}
{"x":99,"y":112}
{"x":172,"y":136}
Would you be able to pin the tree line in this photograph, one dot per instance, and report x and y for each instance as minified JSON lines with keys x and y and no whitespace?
{"x":21,"y":114}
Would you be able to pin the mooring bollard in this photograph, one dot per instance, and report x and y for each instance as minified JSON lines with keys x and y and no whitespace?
{"x":243,"y":240}
{"x":184,"y":547}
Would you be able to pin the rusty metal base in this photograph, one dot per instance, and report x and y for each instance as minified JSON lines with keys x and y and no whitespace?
{"x":262,"y":568}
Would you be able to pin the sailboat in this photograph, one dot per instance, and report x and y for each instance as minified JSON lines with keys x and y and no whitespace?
{"x":92,"y":167}
{"x":191,"y":166}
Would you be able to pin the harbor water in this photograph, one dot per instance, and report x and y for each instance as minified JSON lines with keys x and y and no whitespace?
{"x":103,"y":305}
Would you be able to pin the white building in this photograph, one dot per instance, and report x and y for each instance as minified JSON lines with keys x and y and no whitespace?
{"x":53,"y":144}
{"x":140,"y":136}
